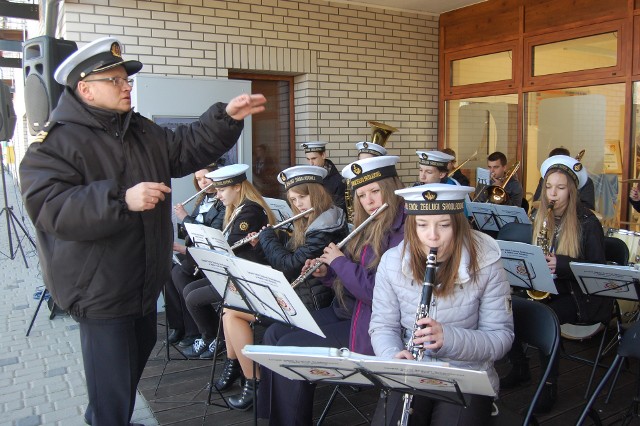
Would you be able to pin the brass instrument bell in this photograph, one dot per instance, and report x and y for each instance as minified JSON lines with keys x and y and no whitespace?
{"x":496,"y":194}
{"x":380,"y":132}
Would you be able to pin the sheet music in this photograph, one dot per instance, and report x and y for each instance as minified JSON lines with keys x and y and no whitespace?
{"x":280,"y":208}
{"x":207,"y":237}
{"x":620,"y":282}
{"x":526,"y":266}
{"x":508,"y":214}
{"x":342,"y":366}
{"x":484,"y":215}
{"x":267,"y":290}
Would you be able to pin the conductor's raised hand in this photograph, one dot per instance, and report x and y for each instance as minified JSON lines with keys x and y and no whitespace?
{"x":145,"y":195}
{"x":244,"y":105}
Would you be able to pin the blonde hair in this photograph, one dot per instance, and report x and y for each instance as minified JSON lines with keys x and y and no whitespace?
{"x":321,"y":201}
{"x":447,"y":270}
{"x":249,"y":192}
{"x":569,"y":240}
{"x":376,"y":233}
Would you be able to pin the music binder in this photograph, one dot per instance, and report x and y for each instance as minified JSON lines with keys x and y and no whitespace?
{"x":619,"y":282}
{"x":526,"y":266}
{"x":340,"y":366}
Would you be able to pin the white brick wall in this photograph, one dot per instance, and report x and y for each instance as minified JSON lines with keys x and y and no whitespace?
{"x":351,"y":63}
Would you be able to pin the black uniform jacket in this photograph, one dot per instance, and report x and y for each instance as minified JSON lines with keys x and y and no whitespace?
{"x":100,"y":260}
{"x":334,"y":184}
{"x":590,"y":308}
{"x":329,"y":227}
{"x":251,"y":218}
{"x":213,"y":218}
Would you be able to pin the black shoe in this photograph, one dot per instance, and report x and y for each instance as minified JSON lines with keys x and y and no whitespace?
{"x":175,"y":336}
{"x":230,"y":373}
{"x":197,"y":349}
{"x":244,"y":401}
{"x":547,"y":398}
{"x":519,"y":375}
{"x":208,"y":354}
{"x":188,"y":341}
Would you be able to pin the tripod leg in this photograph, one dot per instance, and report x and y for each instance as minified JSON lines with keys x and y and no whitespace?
{"x":35,"y":314}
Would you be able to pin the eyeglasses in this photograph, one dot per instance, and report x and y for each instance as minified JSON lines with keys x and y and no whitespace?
{"x":117,"y":81}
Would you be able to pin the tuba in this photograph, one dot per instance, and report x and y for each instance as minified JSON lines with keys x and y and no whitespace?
{"x":543,"y":241}
{"x":496,"y":193}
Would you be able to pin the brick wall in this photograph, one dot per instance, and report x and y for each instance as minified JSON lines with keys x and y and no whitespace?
{"x":351,"y":63}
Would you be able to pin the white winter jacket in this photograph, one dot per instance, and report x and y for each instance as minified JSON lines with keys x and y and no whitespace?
{"x":477,"y":319}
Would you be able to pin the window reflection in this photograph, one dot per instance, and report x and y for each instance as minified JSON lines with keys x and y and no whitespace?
{"x":482,"y":69}
{"x":584,"y":53}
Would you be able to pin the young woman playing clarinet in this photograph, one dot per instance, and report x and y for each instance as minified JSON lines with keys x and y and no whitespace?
{"x":574,"y":234}
{"x":469,"y":323}
{"x":207,"y":211}
{"x":246,"y":211}
{"x":324,"y":224}
{"x":351,"y":274}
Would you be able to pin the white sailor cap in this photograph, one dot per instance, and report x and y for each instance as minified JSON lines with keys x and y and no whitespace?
{"x":97,"y":56}
{"x":368,"y":170}
{"x":569,"y":165}
{"x":228,"y":175}
{"x":434,"y":158}
{"x":434,"y":198}
{"x":298,"y":175}
{"x":313,"y":146}
{"x":366,"y":147}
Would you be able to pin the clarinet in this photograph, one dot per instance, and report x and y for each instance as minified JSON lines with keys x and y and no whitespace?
{"x":422,"y":312}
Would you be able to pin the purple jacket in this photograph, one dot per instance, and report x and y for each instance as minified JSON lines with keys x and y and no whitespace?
{"x":358,"y":282}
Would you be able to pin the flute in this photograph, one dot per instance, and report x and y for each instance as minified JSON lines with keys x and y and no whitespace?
{"x":341,"y":244}
{"x":247,"y":239}
{"x":197,"y":193}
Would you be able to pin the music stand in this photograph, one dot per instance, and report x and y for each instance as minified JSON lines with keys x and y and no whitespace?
{"x":492,"y":217}
{"x":526,"y":266}
{"x":255,"y":289}
{"x":340,"y":366}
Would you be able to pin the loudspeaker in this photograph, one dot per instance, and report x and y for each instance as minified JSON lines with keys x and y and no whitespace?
{"x":40,"y":58}
{"x":7,"y":114}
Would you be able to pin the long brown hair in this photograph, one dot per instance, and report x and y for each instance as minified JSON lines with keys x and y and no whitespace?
{"x":569,"y":240}
{"x":321,"y":201}
{"x":447,"y":270}
{"x":249,"y":192}
{"x":209,"y":168}
{"x":375,"y":234}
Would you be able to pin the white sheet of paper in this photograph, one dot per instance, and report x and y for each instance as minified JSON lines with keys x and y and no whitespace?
{"x":526,"y":266}
{"x":207,"y":237}
{"x":280,"y":208}
{"x":607,"y":280}
{"x":267,"y":290}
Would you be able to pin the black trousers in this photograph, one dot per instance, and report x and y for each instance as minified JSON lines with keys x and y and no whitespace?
{"x":114,"y":353}
{"x":199,"y":297}
{"x":178,"y":315}
{"x":431,"y":412}
{"x":290,"y":402}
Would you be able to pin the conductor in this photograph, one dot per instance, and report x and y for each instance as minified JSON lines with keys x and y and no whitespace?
{"x":95,"y":185}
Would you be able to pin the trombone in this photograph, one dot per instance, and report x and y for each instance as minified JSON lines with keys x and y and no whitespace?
{"x":473,"y":157}
{"x":496,"y":194}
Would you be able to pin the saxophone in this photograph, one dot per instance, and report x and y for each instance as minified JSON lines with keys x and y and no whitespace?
{"x":543,"y":241}
{"x":422,"y":312}
{"x":348,"y":200}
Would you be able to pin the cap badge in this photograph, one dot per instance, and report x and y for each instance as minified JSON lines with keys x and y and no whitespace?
{"x":356,"y":169}
{"x":577,"y":167}
{"x":115,"y":49}
{"x":283,"y":177}
{"x":305,"y":146}
{"x":429,"y":195}
{"x":425,"y":156}
{"x":365,"y":145}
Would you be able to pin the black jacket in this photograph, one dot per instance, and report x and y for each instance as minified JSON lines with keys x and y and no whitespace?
{"x":213,"y":218}
{"x":334,"y":184}
{"x":100,"y":260}
{"x":590,"y":308}
{"x":251,"y":218}
{"x":329,"y":227}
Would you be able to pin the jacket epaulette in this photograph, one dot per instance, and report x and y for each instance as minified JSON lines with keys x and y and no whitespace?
{"x":42,"y":134}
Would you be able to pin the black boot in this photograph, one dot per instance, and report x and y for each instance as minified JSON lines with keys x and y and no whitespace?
{"x":547,"y":398}
{"x":244,"y":401}
{"x":230,"y":373}
{"x":518,"y":375}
